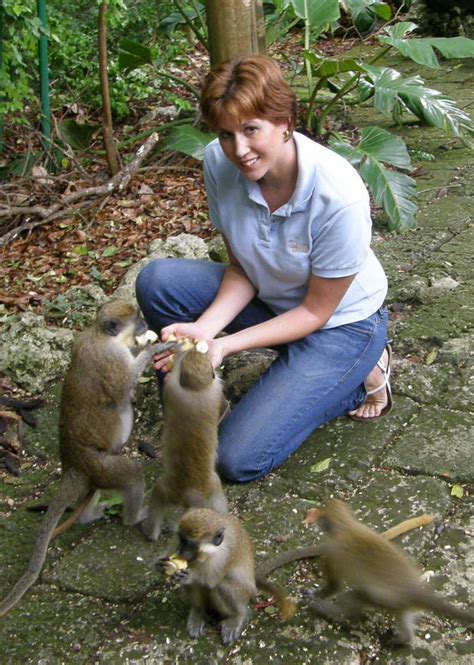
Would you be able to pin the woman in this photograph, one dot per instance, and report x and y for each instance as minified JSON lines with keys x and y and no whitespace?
{"x":295,"y":218}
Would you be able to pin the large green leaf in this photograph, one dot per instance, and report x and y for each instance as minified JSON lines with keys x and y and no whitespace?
{"x":422,"y":50}
{"x":133,"y":55}
{"x":394,"y":93}
{"x":393,"y":191}
{"x":365,"y":12}
{"x":188,"y":140}
{"x":326,"y":67}
{"x":385,"y":147}
{"x":454,"y":47}
{"x":78,"y":135}
{"x":317,"y":13}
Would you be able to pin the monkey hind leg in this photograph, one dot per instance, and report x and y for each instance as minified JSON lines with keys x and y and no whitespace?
{"x":93,"y":510}
{"x":125,"y":475}
{"x":347,"y":609}
{"x":218,"y":500}
{"x":152,"y":524}
{"x":405,"y":628}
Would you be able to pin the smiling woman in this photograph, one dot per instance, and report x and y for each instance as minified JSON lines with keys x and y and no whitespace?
{"x":301,"y":278}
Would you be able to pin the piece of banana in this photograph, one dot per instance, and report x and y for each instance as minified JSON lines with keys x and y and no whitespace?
{"x":202,"y":347}
{"x":148,"y":337}
{"x":174,"y":564}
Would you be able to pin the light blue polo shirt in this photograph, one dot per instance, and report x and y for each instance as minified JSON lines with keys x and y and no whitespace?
{"x":324,"y":230}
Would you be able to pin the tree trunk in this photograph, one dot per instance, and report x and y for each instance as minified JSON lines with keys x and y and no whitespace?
{"x":110,"y":149}
{"x":236,"y":27}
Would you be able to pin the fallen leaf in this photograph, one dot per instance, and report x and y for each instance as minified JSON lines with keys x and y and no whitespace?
{"x":457,"y":491}
{"x":321,"y":466}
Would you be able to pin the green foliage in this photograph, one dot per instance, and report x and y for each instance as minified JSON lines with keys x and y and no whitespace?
{"x":188,"y":140}
{"x":189,"y":14}
{"x":21,"y":29}
{"x":332,"y":80}
{"x":393,"y":94}
{"x":393,"y":191}
{"x":78,"y":135}
{"x":73,"y":54}
{"x":422,"y":50}
{"x":364,"y":13}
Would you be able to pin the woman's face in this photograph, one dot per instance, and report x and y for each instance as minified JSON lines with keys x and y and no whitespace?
{"x":257,"y":147}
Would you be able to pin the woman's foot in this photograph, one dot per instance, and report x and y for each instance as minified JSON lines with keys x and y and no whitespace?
{"x":379,"y":394}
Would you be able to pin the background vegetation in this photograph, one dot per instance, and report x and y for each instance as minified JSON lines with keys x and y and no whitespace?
{"x":156,"y":52}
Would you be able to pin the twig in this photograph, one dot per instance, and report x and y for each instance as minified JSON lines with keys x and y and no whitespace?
{"x":118,"y":183}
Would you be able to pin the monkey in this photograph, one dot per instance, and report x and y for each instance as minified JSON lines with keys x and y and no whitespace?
{"x":192,"y":402}
{"x":378,"y":574}
{"x":312,"y":551}
{"x":220,"y":577}
{"x":95,"y":422}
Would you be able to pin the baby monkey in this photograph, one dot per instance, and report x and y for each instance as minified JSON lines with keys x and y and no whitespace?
{"x":95,"y":422}
{"x":192,"y":401}
{"x":220,"y":575}
{"x":378,"y":574}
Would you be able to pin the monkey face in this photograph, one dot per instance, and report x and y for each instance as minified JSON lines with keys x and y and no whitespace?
{"x":121,"y":319}
{"x":198,"y":549}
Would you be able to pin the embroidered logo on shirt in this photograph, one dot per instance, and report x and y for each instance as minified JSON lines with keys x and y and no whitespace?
{"x":298,"y":246}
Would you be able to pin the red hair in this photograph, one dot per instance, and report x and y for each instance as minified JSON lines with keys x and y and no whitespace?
{"x":247,"y":87}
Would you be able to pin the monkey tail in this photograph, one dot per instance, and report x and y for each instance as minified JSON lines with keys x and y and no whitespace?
{"x":286,"y":605}
{"x":269,"y":565}
{"x":64,"y":526}
{"x":67,"y":494}
{"x":436,"y":603}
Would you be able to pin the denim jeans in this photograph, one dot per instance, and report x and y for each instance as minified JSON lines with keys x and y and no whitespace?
{"x":313,"y":380}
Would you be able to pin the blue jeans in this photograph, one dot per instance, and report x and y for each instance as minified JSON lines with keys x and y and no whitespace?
{"x":313,"y":380}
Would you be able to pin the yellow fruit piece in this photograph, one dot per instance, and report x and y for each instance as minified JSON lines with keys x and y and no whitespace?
{"x":174,"y":564}
{"x":171,"y":337}
{"x":185,"y":344}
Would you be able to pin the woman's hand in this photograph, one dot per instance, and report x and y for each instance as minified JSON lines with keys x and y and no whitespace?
{"x":196,"y":333}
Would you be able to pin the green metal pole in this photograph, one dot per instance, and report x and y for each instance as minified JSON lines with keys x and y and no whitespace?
{"x":44,"y":76}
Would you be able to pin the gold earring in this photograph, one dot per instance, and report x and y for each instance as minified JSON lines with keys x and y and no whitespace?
{"x":286,"y":135}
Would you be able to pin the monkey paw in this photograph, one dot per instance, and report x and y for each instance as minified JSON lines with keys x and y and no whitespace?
{"x":196,"y":625}
{"x":229,"y":632}
{"x":181,"y":577}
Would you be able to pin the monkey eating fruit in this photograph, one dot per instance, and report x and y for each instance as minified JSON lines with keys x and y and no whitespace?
{"x":192,"y":400}
{"x":220,"y":573}
{"x":378,"y":574}
{"x":95,"y":422}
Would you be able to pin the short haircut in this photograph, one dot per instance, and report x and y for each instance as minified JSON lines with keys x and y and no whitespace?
{"x":250,"y":86}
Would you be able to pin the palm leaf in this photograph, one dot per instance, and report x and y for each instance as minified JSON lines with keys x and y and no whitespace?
{"x":393,"y":191}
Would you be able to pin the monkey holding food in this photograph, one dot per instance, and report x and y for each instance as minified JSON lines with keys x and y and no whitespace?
{"x":95,"y":422}
{"x":378,"y":574}
{"x":215,"y":563}
{"x":192,"y":402}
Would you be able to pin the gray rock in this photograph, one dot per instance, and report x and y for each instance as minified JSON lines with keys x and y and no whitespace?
{"x":182,"y":246}
{"x":31,"y":354}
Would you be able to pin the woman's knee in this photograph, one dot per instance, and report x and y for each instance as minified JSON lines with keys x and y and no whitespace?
{"x":152,"y":279}
{"x":237,"y":468}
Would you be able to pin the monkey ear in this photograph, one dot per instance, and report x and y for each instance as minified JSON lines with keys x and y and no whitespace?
{"x":218,"y":537}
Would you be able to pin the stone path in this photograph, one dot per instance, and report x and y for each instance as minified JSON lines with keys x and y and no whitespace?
{"x":100,"y":599}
